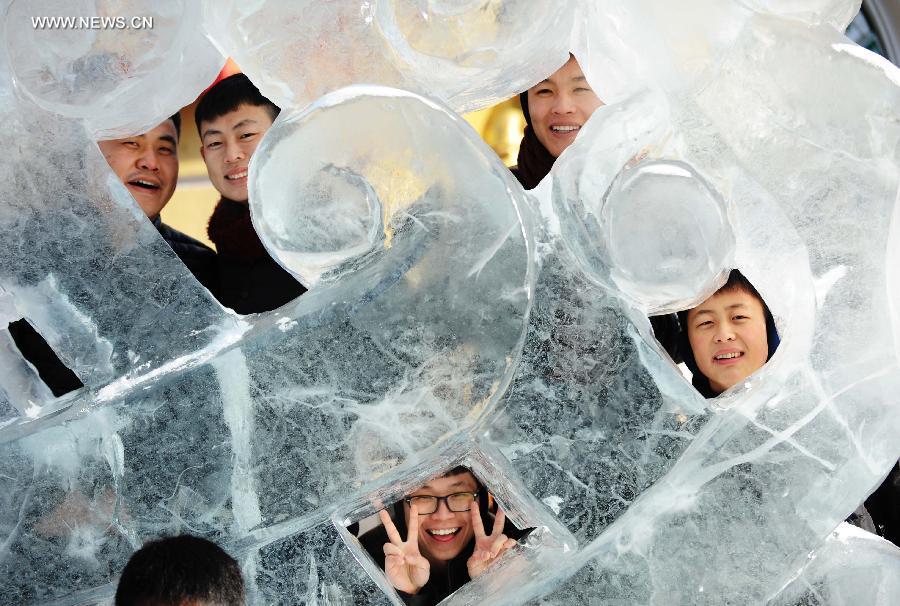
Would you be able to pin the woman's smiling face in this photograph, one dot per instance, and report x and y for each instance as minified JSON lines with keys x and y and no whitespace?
{"x":560,"y":105}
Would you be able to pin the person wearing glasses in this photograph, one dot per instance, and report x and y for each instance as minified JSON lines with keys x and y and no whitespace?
{"x":440,"y":539}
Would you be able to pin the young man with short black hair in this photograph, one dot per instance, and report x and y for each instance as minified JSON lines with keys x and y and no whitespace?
{"x":728,"y":337}
{"x":232,"y":118}
{"x":180,"y":571}
{"x":447,"y":542}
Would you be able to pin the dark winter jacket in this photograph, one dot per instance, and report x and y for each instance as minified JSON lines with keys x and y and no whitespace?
{"x":248,"y":280}
{"x":56,"y":375}
{"x":883,"y":506}
{"x":199,"y":258}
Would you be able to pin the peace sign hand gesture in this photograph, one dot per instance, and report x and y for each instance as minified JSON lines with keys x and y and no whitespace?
{"x":404,"y":566}
{"x":487,"y":547}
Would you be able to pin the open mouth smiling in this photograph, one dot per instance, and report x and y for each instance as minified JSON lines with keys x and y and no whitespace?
{"x":237,"y":176}
{"x":444,"y":535}
{"x":565,"y":129}
{"x":144,"y":184}
{"x":728,"y":357}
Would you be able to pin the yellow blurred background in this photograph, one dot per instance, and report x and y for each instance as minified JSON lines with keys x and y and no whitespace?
{"x":501,"y":126}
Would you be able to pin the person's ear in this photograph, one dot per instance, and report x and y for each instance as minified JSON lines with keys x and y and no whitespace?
{"x":203,"y":152}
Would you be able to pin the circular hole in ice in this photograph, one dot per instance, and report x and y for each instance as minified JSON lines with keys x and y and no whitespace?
{"x":334,"y":209}
{"x":667,"y":233}
{"x":362,"y":179}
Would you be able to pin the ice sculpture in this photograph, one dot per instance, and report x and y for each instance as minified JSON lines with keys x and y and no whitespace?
{"x":469,"y":54}
{"x":120,"y":80}
{"x":852,"y":567}
{"x":453,"y":318}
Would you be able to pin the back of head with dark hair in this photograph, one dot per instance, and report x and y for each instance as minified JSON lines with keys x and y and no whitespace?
{"x":736,"y":282}
{"x":175,"y":570}
{"x":227,"y":95}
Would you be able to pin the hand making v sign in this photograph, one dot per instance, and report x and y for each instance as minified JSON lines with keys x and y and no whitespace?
{"x":487,"y":547}
{"x":404,"y":565}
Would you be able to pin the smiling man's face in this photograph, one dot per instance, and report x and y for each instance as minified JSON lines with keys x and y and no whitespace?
{"x":560,"y":105}
{"x":444,"y":534}
{"x":228,"y":144}
{"x":147,"y":165}
{"x":727,"y":333}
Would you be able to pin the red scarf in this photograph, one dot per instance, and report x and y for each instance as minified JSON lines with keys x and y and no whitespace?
{"x":231,"y":230}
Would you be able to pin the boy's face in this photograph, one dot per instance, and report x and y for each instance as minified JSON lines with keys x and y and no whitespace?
{"x":228,"y":142}
{"x":147,"y":165}
{"x":560,"y":105}
{"x":727,"y":333}
{"x":444,"y":534}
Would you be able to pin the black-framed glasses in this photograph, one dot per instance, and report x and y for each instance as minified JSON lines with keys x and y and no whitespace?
{"x":457,"y":502}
